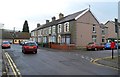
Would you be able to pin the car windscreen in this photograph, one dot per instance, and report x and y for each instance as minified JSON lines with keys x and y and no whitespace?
{"x":5,"y":43}
{"x":30,"y":44}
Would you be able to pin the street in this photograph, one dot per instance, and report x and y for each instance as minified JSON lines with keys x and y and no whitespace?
{"x":58,"y":62}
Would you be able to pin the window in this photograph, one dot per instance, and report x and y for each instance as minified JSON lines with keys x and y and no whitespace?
{"x":103,"y":31}
{"x":39,"y":32}
{"x":66,"y":27}
{"x":49,"y":30}
{"x":59,"y":28}
{"x":53,"y":39}
{"x":94,"y":31}
{"x":46,"y":31}
{"x":63,"y":39}
{"x":67,"y":39}
{"x":94,"y":38}
{"x":103,"y":39}
{"x":53,"y":30}
{"x":44,"y":39}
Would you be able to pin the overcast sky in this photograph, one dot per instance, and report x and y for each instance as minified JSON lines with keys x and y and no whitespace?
{"x":13,"y":13}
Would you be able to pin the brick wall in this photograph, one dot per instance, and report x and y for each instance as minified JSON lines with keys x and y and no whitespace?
{"x":62,"y":46}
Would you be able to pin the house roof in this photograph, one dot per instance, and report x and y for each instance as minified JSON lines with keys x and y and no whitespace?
{"x":109,"y":22}
{"x":19,"y":35}
{"x":70,"y":17}
{"x":102,"y":26}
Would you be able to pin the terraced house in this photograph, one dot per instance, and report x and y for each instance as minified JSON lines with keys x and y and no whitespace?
{"x":76,"y":29}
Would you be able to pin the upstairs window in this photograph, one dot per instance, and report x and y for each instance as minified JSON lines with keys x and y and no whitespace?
{"x":59,"y":28}
{"x":49,"y":30}
{"x":94,"y":30}
{"x":39,"y":32}
{"x":103,"y":31}
{"x":53,"y":30}
{"x":66,"y":27}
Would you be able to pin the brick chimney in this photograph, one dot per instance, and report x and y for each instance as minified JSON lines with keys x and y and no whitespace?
{"x":61,"y":15}
{"x":53,"y":18}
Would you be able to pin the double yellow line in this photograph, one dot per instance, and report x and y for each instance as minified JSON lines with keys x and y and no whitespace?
{"x":13,"y":66}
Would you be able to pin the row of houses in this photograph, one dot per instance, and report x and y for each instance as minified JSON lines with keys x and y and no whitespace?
{"x":76,"y":29}
{"x":14,"y":36}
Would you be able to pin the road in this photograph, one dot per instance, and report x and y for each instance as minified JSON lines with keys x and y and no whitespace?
{"x":57,"y":62}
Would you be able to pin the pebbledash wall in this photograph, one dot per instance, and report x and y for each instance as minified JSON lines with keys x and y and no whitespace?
{"x":75,"y":30}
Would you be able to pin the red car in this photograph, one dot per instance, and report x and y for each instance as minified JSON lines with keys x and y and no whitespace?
{"x":94,"y":46}
{"x":29,"y":46}
{"x":5,"y":44}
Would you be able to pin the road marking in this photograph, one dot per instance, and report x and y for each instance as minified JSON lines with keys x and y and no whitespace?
{"x":82,"y":56}
{"x":94,"y":61}
{"x":13,"y":66}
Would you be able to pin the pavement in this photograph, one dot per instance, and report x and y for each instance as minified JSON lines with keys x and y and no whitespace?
{"x":108,"y":62}
{"x":0,"y":62}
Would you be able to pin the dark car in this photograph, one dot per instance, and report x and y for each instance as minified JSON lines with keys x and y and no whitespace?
{"x":94,"y":46}
{"x":6,"y":44}
{"x":29,"y":47}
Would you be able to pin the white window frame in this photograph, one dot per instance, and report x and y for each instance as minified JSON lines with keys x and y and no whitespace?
{"x":53,"y":29}
{"x":93,"y":28}
{"x":50,"y":30}
{"x":59,"y":28}
{"x":66,"y":27}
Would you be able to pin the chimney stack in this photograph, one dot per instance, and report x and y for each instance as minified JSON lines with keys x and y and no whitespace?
{"x":53,"y":18}
{"x":47,"y":21}
{"x":61,"y":15}
{"x":38,"y":25}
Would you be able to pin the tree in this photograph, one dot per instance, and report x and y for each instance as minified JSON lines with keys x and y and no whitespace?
{"x":25,"y":27}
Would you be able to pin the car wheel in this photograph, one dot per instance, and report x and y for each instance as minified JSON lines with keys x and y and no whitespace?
{"x":87,"y":49}
{"x":23,"y":51}
{"x":103,"y":48}
{"x":96,"y":49}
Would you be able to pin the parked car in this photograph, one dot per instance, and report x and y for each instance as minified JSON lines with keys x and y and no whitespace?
{"x":5,"y":44}
{"x":29,"y":46}
{"x":107,"y":46}
{"x":94,"y":46}
{"x":118,"y":45}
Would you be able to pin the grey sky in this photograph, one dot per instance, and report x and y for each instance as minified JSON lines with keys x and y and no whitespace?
{"x":14,"y":12}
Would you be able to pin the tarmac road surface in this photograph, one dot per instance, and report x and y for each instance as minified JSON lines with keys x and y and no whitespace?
{"x":57,"y":62}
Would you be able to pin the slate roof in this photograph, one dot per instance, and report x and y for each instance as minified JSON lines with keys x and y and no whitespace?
{"x":19,"y":35}
{"x":71,"y":16}
{"x":62,"y":20}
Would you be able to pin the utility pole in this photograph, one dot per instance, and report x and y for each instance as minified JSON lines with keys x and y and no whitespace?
{"x":13,"y":34}
{"x":117,"y":31}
